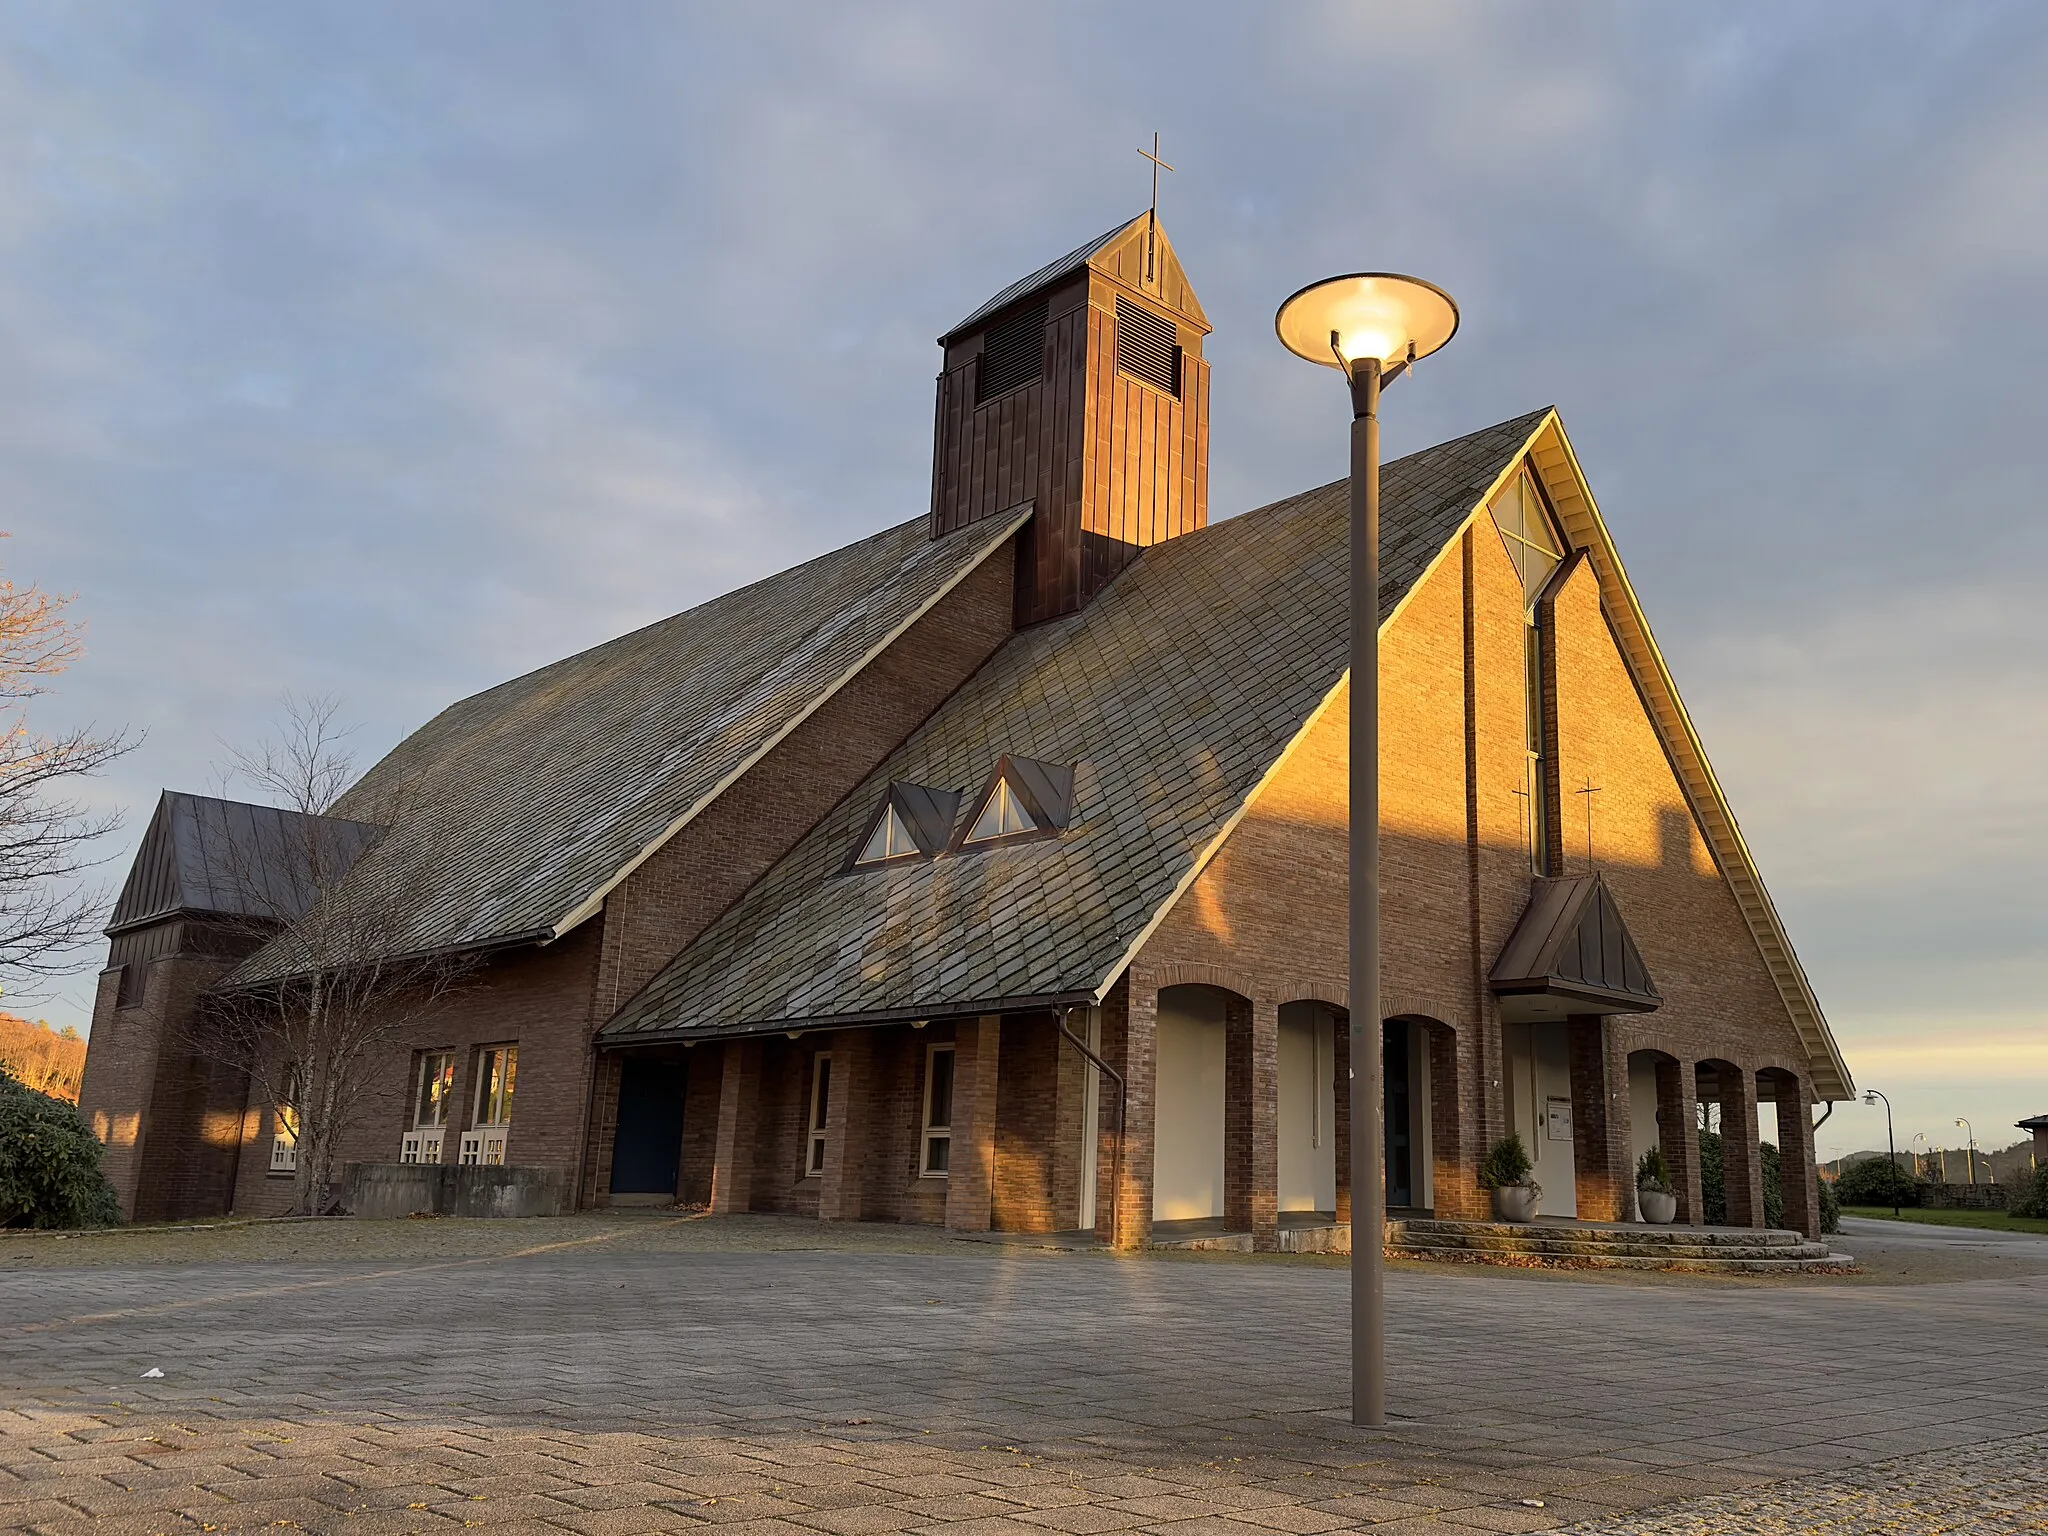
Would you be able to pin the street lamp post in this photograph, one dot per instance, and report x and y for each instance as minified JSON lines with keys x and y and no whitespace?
{"x":1371,"y":326}
{"x":1871,"y":1096}
{"x":1971,"y":1132}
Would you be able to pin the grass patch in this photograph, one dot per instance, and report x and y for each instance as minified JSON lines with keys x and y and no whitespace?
{"x":1990,"y":1221}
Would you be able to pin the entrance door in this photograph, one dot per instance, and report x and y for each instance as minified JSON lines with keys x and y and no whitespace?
{"x":649,"y":1143}
{"x":1188,"y":1122}
{"x":1399,"y":1116}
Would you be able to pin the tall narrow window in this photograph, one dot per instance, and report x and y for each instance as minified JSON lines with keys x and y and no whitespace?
{"x":489,"y":1139}
{"x":284,"y":1140}
{"x":1537,"y":787}
{"x":937,"y":1157}
{"x":433,"y":1088}
{"x":821,"y":1109}
{"x":497,"y":1075}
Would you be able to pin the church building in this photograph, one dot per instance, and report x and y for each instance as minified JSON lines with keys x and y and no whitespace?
{"x":990,"y":872}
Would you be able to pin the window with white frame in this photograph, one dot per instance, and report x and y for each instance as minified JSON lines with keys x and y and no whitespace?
{"x":284,"y":1139}
{"x":936,"y":1157}
{"x":490,"y":1134}
{"x":433,"y":1087}
{"x":821,"y":1109}
{"x":1003,"y":814}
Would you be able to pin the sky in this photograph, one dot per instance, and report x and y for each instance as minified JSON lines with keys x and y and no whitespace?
{"x":388,"y":351}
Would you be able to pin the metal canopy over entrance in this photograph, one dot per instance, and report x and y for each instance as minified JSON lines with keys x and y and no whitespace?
{"x":1571,"y":953}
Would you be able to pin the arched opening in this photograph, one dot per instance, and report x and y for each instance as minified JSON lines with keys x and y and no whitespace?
{"x":1660,"y":1116}
{"x":1419,"y":1062}
{"x":1307,"y":1118}
{"x":1731,"y":1172}
{"x":1190,"y":1142}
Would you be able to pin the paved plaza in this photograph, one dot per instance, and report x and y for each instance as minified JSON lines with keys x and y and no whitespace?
{"x":623,"y":1375}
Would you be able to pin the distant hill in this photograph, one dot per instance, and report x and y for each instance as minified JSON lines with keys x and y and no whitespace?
{"x":47,"y":1060}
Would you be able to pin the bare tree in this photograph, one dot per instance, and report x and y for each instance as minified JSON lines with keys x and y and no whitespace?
{"x":46,"y":839}
{"x":320,"y":1016}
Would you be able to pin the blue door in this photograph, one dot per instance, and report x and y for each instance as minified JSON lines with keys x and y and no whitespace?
{"x":649,"y":1142}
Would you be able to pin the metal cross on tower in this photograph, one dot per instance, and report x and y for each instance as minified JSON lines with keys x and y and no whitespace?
{"x":1152,"y":218}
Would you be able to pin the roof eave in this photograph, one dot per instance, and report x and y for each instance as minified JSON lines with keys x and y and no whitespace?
{"x":758,"y":1028}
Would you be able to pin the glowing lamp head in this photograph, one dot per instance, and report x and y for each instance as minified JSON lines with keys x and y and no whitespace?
{"x":1367,"y":316}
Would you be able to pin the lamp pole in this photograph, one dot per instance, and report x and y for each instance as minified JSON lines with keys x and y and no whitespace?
{"x":1871,"y":1096}
{"x":1971,"y":1132}
{"x":1373,"y":326}
{"x":1368,"y":1055}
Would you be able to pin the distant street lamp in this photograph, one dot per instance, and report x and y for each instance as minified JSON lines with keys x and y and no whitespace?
{"x":1370,"y":326}
{"x":1972,"y":1134}
{"x":1871,"y":1096}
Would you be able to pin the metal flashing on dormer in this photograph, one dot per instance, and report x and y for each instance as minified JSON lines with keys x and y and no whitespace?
{"x":1043,"y":791}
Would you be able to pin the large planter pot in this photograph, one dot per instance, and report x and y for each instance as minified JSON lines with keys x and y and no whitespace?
{"x":1659,"y":1207}
{"x":1516,"y":1202}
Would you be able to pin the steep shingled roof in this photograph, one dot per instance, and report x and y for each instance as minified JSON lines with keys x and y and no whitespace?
{"x":521,"y":806}
{"x":1172,"y":693}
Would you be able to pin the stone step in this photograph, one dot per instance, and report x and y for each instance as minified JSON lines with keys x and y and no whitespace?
{"x":1746,"y":1237}
{"x":1546,"y":1243}
{"x":1827,"y":1263}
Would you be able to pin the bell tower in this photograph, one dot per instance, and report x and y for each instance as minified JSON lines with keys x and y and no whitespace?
{"x":1081,"y":391}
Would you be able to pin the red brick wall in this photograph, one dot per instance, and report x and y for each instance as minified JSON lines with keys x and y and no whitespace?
{"x":538,"y":999}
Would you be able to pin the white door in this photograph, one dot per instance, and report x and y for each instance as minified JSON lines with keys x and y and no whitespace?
{"x":1308,"y":1107}
{"x":1187,"y":1177}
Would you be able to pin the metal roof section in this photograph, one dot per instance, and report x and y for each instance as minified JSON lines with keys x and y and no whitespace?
{"x":524,"y":806}
{"x":207,"y":857}
{"x":1173,"y":694}
{"x":1047,"y":275}
{"x":1571,"y":953}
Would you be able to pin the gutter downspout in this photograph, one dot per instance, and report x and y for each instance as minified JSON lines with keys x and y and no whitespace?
{"x":1116,"y":1156}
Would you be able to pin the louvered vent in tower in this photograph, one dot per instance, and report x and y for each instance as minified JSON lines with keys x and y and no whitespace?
{"x":1012,"y":354}
{"x":1147,"y":347}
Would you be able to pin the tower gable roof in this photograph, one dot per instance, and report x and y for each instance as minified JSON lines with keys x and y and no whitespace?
{"x":1117,"y":253}
{"x":206,"y":857}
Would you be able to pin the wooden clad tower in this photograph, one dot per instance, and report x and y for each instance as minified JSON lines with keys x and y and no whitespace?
{"x":1082,"y":391}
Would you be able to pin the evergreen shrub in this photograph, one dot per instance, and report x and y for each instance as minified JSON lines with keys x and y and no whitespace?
{"x":49,"y":1163}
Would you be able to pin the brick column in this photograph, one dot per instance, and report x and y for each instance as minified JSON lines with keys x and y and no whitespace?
{"x":1797,"y":1175}
{"x":1265,"y":1127}
{"x":1601,"y":1160}
{"x":1678,"y":1136}
{"x":1141,"y":1072}
{"x":971,"y":1173}
{"x":1742,"y":1168}
{"x":1454,"y":1150}
{"x":1340,"y":1117}
{"x":739,"y":1102}
{"x":843,"y":1180}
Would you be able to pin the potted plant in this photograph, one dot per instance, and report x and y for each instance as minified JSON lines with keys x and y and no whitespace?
{"x":1654,"y":1194}
{"x":1506,"y":1172}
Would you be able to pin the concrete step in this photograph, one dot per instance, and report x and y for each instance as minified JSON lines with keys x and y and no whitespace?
{"x":1593,"y":1233}
{"x":1564,"y":1247}
{"x":1826,"y":1262}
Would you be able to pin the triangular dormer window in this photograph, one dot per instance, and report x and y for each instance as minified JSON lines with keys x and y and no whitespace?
{"x":891,"y":839}
{"x":1025,"y":799}
{"x":1002,"y":815}
{"x":913,"y":821}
